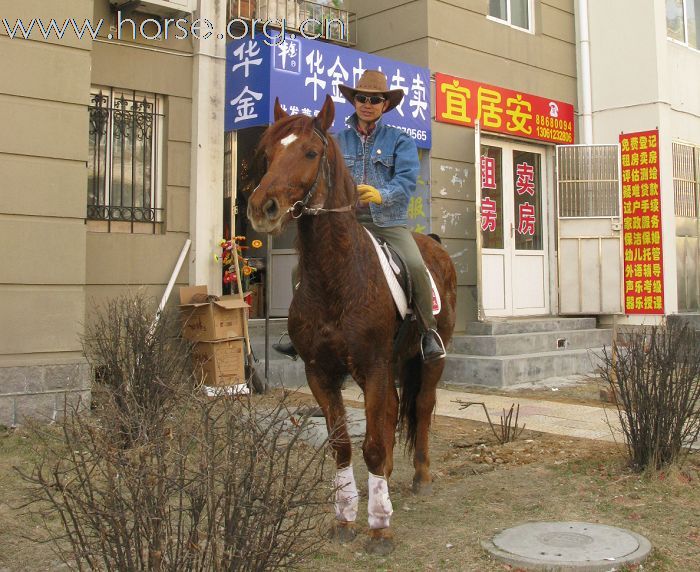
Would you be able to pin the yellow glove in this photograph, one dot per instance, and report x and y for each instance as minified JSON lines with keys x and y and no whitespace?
{"x":368,"y":194}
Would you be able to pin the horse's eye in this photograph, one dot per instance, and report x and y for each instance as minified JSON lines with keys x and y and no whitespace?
{"x":311,"y":154}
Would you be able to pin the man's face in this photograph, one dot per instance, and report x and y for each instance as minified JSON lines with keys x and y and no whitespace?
{"x":368,"y":111}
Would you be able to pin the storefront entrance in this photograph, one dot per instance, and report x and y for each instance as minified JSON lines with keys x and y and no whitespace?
{"x":514,"y":246}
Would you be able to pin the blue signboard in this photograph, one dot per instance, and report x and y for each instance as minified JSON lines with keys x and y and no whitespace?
{"x":247,"y":84}
{"x":301,"y":72}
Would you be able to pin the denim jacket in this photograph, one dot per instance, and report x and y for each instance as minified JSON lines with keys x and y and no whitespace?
{"x":388,"y":161}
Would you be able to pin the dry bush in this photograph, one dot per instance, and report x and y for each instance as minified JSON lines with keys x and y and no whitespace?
{"x":655,"y":380}
{"x":509,"y":430}
{"x":160,"y":477}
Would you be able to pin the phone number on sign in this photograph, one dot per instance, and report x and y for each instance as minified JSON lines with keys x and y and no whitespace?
{"x":417,"y":134}
{"x":554,"y":129}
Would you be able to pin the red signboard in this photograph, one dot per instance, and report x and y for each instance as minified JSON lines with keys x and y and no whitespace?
{"x":463,"y":102}
{"x":641,"y":217}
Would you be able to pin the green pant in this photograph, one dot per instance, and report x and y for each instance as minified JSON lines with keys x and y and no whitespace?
{"x":400,"y":238}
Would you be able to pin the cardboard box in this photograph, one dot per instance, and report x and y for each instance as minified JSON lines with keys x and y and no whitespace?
{"x":257,"y":304}
{"x":220,"y":363}
{"x":209,"y":321}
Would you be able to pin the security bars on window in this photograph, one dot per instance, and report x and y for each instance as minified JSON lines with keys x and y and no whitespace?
{"x":588,"y":181}
{"x":123,"y":164}
{"x":686,"y":179}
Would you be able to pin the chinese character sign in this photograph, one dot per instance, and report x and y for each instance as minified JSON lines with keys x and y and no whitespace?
{"x":301,"y":72}
{"x":527,"y":200}
{"x":462,"y":102}
{"x":419,"y":205}
{"x":491,"y":197}
{"x":247,"y":84}
{"x":641,"y":218}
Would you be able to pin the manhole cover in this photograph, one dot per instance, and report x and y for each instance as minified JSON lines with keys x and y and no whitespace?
{"x":579,"y":546}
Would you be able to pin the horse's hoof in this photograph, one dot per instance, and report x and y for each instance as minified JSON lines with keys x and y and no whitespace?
{"x":343,"y":532}
{"x":422,"y":489}
{"x":380,"y":543}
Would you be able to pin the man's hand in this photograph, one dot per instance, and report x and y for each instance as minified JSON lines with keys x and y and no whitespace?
{"x":369,"y":194}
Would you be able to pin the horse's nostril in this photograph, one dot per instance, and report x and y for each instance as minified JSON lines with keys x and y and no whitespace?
{"x":271,"y":207}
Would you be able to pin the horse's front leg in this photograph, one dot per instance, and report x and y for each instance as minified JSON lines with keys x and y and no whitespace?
{"x":380,"y":411}
{"x":326,"y":390}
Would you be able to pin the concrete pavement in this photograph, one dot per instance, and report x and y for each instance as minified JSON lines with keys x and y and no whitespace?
{"x":537,"y":415}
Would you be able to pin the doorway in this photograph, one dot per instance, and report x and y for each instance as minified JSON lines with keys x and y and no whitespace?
{"x":514,"y":245}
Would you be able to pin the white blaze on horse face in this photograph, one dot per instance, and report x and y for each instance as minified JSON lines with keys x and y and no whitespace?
{"x":379,"y":509}
{"x":288,"y":140}
{"x":346,"y":497}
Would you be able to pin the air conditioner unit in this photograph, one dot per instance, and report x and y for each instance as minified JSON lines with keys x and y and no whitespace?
{"x":156,"y":7}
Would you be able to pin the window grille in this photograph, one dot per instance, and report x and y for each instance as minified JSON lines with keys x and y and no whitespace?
{"x":588,"y":180}
{"x":124,"y":163}
{"x":686,"y":179}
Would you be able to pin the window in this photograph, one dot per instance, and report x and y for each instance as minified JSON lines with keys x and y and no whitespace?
{"x":513,"y":12}
{"x":682,"y":22}
{"x":686,"y":179}
{"x":124,"y":164}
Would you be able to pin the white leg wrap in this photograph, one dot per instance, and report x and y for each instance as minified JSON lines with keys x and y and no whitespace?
{"x":379,"y":509}
{"x":346,"y":496}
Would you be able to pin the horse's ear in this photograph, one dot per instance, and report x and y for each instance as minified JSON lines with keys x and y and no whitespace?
{"x":279,"y":112}
{"x":325,"y":118}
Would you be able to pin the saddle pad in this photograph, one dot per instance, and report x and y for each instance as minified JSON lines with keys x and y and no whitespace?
{"x":394,"y":286}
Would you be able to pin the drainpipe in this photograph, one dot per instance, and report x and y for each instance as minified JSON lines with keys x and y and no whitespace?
{"x":207,"y":148}
{"x":584,"y":72}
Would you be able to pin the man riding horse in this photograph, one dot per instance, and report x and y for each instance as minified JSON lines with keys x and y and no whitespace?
{"x":383,"y":162}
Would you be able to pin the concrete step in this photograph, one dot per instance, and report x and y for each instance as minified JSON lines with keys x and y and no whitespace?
{"x":531,"y":342}
{"x":504,"y":371}
{"x":283,"y":372}
{"x":693,"y":320}
{"x":256,"y":327}
{"x":527,"y":325}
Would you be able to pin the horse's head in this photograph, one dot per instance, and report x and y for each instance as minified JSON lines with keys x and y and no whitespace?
{"x":301,"y":162}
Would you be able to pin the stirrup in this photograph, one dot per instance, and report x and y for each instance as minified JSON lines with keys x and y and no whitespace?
{"x":435,"y":353}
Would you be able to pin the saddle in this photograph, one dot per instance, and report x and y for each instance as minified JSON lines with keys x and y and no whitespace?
{"x":398,"y":278}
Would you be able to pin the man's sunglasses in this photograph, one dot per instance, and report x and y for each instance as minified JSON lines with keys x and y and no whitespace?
{"x":373,"y":99}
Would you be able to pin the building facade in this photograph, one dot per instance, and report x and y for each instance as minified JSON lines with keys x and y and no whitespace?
{"x":113,"y":156}
{"x":96,"y":163}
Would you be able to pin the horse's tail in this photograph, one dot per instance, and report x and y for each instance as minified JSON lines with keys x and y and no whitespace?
{"x":410,"y":380}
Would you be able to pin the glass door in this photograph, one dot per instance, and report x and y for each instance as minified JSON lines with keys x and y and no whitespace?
{"x":515,"y":272}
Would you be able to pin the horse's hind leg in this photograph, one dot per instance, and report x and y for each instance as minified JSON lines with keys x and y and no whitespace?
{"x":326,"y":390}
{"x":425,"y":404}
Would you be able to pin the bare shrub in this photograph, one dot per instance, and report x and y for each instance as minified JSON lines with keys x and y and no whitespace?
{"x":164,"y":478}
{"x":654,"y":377}
{"x":142,"y":367}
{"x":508,"y":430}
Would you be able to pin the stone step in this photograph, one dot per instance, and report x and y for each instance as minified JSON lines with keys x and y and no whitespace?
{"x":283,"y":372}
{"x":693,"y":320}
{"x":256,"y":327}
{"x":532,"y":342}
{"x":504,"y":371}
{"x":527,"y":325}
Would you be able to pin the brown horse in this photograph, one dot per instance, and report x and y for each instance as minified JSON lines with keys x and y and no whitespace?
{"x":342,"y":319}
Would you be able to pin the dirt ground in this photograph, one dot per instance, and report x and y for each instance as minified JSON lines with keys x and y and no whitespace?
{"x":480,"y":488}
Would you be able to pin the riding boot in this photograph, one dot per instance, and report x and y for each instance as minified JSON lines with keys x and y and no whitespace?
{"x":286,"y":348}
{"x":431,"y":346}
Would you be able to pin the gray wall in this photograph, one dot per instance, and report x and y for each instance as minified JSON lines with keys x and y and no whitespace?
{"x":117,"y":261}
{"x":44,"y":92}
{"x":56,"y":266}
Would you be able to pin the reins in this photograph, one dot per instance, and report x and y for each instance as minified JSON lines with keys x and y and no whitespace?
{"x":299,"y":208}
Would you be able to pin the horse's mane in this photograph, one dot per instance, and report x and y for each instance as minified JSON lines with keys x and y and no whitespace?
{"x":300,"y":125}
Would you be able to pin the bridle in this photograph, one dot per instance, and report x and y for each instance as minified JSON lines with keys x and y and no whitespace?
{"x":300,"y":207}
